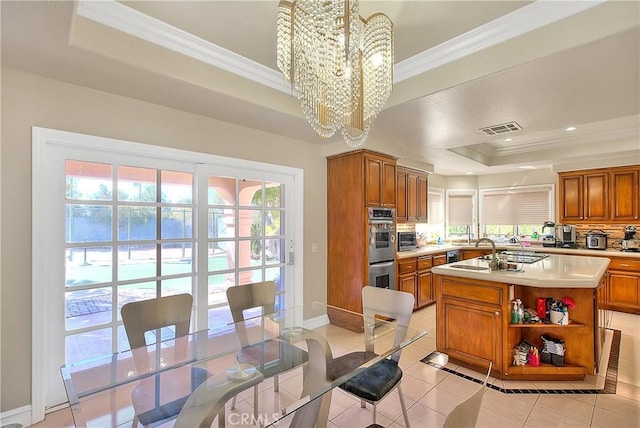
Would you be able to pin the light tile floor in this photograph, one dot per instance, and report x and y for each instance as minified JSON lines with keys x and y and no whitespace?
{"x":430,"y":394}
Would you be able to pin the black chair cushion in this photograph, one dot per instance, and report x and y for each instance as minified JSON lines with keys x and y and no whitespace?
{"x":172,"y":408}
{"x":372,"y":383}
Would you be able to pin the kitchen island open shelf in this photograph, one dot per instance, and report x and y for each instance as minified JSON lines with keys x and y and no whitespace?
{"x":474,"y":316}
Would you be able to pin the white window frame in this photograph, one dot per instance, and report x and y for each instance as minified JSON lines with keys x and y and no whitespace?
{"x":48,"y":241}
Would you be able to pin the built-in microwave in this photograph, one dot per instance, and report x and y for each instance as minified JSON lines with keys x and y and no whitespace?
{"x":382,"y":235}
{"x":407,"y":241}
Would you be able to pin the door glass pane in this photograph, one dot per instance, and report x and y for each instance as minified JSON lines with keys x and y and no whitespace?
{"x":272,"y":223}
{"x":136,"y":261}
{"x":176,"y":258}
{"x":250,"y":223}
{"x":249,"y":253}
{"x":273,"y":194}
{"x":221,"y":191}
{"x":274,"y":274}
{"x":249,"y":276}
{"x":177,"y":223}
{"x":221,"y":223}
{"x":250,"y":193}
{"x":88,"y":181}
{"x":217,"y":288}
{"x":134,"y":292}
{"x":137,"y":184}
{"x":170,"y":287}
{"x":88,"y":223}
{"x":177,"y":187}
{"x":88,"y":265}
{"x":136,"y":223}
{"x":77,"y":349}
{"x":221,"y":255}
{"x":87,"y":307}
{"x":273,"y":251}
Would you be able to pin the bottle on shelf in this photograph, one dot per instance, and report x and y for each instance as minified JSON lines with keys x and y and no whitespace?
{"x":515,"y":312}
{"x":520,"y":311}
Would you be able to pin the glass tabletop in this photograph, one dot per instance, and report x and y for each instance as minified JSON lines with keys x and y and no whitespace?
{"x":192,"y":377}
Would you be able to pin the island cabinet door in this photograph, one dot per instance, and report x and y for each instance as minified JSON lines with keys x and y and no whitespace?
{"x":471,"y":332}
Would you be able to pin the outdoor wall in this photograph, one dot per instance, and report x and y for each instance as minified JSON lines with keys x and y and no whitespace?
{"x":29,"y":100}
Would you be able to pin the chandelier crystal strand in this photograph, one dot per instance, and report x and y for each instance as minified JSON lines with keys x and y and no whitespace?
{"x":340,"y":65}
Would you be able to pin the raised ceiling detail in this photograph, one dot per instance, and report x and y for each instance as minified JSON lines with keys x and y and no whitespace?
{"x":461,"y":66}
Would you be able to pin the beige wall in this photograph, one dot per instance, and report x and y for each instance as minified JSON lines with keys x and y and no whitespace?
{"x":28,"y":100}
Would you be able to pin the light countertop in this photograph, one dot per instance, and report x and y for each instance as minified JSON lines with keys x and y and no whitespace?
{"x":438,"y":249}
{"x":554,"y":271}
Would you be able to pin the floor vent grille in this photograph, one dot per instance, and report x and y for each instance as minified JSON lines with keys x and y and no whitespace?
{"x":501,"y":129}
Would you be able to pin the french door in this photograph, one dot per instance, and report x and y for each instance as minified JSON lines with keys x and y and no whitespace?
{"x":115,"y":222}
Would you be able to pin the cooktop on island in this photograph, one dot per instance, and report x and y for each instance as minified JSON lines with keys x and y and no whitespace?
{"x":518,"y":256}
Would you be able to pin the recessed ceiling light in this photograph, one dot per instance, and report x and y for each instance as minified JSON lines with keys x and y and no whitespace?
{"x":469,"y":173}
{"x":571,"y":128}
{"x":508,"y":139}
{"x":526,"y":167}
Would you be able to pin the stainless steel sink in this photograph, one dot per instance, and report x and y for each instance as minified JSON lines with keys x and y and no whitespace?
{"x":469,"y":267}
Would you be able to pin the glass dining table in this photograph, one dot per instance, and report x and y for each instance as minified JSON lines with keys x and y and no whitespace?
{"x":191,"y":380}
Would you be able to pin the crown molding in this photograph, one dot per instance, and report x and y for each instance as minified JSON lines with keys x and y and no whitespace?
{"x":130,"y":21}
{"x":514,"y":24}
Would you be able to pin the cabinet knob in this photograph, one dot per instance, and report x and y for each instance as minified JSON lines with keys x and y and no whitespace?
{"x":497,"y":312}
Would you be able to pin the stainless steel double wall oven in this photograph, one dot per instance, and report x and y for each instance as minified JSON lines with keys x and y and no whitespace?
{"x":382,"y":248}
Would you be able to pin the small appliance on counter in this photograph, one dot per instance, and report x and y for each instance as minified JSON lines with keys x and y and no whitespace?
{"x":629,"y":243}
{"x":566,"y":236}
{"x":596,"y":240}
{"x":549,"y":240}
{"x":407,"y":241}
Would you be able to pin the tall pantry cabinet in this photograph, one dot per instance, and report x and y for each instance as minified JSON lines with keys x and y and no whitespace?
{"x":355,"y":181}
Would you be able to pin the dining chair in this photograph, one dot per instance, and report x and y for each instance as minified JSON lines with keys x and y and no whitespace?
{"x":465,"y":414}
{"x":271,"y":357}
{"x":160,"y":397}
{"x":374,"y":383}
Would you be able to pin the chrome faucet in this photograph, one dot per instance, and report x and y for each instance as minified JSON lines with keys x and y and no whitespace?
{"x":468,"y":234}
{"x":493,"y":263}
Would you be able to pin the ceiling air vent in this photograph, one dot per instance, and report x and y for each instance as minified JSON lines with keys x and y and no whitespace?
{"x":501,"y":129}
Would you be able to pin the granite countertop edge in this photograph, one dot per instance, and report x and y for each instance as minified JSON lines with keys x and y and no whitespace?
{"x":438,"y":249}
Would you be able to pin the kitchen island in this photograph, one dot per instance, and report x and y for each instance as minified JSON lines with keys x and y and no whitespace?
{"x":474,"y":318}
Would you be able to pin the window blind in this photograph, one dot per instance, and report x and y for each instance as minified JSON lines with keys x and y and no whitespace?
{"x":435,"y":208}
{"x":460,"y":210}
{"x":515,"y":207}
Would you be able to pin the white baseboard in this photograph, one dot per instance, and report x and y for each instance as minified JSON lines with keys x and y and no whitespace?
{"x":21,"y":415}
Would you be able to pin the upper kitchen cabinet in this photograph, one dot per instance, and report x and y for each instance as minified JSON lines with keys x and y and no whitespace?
{"x":380,"y":180}
{"x":599,"y":195}
{"x":411,"y":193}
{"x":625,"y":189}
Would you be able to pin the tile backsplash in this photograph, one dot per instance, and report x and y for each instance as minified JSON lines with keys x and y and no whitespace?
{"x":615,"y":233}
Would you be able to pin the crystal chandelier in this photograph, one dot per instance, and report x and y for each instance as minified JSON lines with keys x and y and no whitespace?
{"x":340,"y":64}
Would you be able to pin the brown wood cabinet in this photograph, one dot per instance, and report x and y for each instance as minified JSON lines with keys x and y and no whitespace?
{"x":623,"y":286}
{"x":625,"y":189}
{"x":414,"y":276}
{"x":470,"y":327}
{"x":355,"y":180}
{"x":425,"y":295}
{"x":412,"y":195}
{"x":473,"y":254}
{"x":380,"y":180}
{"x":600,"y":195}
{"x":407,"y":277}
